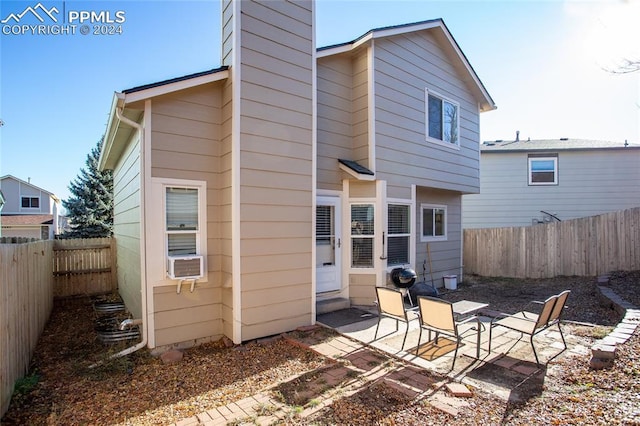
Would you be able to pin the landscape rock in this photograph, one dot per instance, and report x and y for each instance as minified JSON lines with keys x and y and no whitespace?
{"x":600,"y":363}
{"x":171,"y":356}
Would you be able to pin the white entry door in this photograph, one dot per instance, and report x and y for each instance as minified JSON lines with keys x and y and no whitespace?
{"x":328,"y":244}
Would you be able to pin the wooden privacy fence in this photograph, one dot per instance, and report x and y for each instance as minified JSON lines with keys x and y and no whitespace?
{"x":84,"y":266}
{"x":26,"y":300}
{"x":585,"y":247}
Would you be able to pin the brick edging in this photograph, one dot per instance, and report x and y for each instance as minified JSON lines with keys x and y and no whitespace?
{"x":603,"y":351}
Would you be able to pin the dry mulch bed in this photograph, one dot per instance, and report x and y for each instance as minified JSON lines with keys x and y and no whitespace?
{"x":62,"y":389}
{"x":626,"y":285}
{"x":512,"y":295}
{"x":140,"y":390}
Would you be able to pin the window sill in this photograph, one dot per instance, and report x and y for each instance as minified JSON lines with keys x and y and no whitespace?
{"x":168,"y":282}
{"x":455,"y":147}
{"x":432,"y":239}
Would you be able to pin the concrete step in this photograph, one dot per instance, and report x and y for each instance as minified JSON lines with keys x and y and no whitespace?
{"x":332,"y":305}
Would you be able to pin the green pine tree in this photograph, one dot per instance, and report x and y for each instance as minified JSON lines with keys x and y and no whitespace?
{"x":90,"y":207}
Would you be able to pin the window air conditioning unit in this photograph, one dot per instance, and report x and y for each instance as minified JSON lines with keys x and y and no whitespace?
{"x":185,"y":267}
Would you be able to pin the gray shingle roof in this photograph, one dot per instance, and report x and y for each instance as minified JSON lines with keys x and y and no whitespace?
{"x":175,"y":80}
{"x":562,"y":144}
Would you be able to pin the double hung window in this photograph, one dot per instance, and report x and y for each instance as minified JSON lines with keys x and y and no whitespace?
{"x":434,"y":222}
{"x":362,"y":235}
{"x":182,"y":221}
{"x":398,"y":234}
{"x":30,"y":202}
{"x":443,"y":123}
{"x":543,"y":170}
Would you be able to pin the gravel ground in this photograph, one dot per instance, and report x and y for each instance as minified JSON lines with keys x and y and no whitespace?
{"x":140,"y":390}
{"x":512,"y":295}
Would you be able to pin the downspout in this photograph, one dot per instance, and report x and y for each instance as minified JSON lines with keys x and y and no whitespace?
{"x":143,"y":254}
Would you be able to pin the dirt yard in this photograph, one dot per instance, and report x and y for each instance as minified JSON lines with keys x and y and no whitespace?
{"x":140,"y":390}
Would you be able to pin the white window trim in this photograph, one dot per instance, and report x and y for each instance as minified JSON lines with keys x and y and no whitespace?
{"x":201,"y":234}
{"x":555,"y":170}
{"x":30,"y":197}
{"x":408,"y":204}
{"x":440,"y":142}
{"x":444,"y":237}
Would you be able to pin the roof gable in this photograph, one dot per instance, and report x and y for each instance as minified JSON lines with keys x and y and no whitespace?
{"x":450,"y":46}
{"x":11,"y":177}
{"x":171,"y":85}
{"x":119,"y":128}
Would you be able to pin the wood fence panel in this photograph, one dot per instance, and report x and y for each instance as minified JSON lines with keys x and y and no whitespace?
{"x":84,"y":266}
{"x":585,"y":247}
{"x":26,"y":300}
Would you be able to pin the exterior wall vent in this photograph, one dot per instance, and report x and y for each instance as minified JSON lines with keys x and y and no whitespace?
{"x":185,"y":267}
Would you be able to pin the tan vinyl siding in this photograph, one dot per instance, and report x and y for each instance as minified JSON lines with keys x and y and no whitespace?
{"x":226,"y":217}
{"x":126,"y":226}
{"x":254,"y":281}
{"x":186,"y":316}
{"x":186,"y":140}
{"x":186,"y":134}
{"x":400,"y":192}
{"x":362,"y":289}
{"x":589,"y":183}
{"x":361,"y":108}
{"x":445,"y":255}
{"x":275,"y":164}
{"x":362,"y":189}
{"x":22,"y":232}
{"x":404,"y":66}
{"x":334,"y":118}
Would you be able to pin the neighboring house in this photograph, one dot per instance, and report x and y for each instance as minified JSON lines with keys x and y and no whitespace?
{"x":245,"y":194}
{"x":29,"y":211}
{"x":539,"y":181}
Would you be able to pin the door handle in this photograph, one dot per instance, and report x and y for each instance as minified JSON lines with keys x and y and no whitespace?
{"x":338,"y":242}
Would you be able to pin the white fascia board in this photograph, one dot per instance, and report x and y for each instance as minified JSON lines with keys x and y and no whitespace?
{"x":112,"y":128}
{"x":345,"y":47}
{"x":376,"y":34}
{"x":333,"y":51}
{"x":24,"y":182}
{"x":403,"y":29}
{"x":486,"y":105}
{"x":176,"y":86}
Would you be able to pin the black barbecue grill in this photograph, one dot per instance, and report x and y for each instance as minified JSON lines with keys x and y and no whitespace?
{"x":403,"y":279}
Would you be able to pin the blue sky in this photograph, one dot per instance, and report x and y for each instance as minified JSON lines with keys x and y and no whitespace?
{"x":541,"y":61}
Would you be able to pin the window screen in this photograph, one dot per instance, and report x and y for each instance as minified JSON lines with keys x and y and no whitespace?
{"x":181,"y":221}
{"x":543,"y":170}
{"x":362,"y":233}
{"x":434,"y":222}
{"x":442,"y":119}
{"x":398,"y":234}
